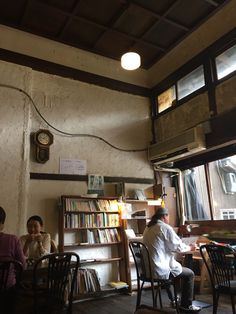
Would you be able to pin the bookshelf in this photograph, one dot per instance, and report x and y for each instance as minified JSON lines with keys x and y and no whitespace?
{"x":134,"y":224}
{"x":92,"y":228}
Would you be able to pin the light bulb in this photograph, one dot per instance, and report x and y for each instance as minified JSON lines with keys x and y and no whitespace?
{"x":130,"y":61}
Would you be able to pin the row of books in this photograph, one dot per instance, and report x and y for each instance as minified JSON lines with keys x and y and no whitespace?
{"x":99,"y":236}
{"x":97,"y":220}
{"x":91,"y":205}
{"x":87,"y":281}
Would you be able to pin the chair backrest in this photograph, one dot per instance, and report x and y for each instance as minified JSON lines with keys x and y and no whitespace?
{"x":217,"y":263}
{"x":10,"y":272}
{"x":55,"y":274}
{"x":142,"y":260}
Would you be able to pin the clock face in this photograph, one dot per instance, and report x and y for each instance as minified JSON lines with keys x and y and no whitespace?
{"x":43,"y":138}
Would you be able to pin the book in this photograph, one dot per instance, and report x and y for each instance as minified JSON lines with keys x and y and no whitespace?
{"x":140,"y":195}
{"x":118,"y":284}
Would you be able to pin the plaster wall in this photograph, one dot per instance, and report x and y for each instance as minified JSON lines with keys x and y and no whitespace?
{"x":73,"y":107}
{"x":186,"y":116}
{"x":14,"y":131}
{"x":49,"y":50}
{"x":225,"y":95}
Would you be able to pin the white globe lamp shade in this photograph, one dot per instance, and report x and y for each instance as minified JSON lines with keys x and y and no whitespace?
{"x":130,"y":61}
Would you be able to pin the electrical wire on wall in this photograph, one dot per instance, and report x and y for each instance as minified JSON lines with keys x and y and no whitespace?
{"x":67,"y":133}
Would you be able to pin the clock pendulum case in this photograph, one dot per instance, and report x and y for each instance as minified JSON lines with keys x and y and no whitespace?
{"x":42,"y":140}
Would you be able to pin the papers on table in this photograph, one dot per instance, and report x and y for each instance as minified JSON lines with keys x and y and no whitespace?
{"x":190,"y":240}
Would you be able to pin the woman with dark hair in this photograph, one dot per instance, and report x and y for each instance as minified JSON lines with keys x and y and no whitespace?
{"x":36,"y":243}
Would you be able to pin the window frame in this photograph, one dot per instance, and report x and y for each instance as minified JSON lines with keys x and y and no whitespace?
{"x":210,"y":197}
{"x":207,"y":59}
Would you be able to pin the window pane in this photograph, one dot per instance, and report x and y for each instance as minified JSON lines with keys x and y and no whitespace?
{"x":226,"y":62}
{"x":191,"y":82}
{"x":223,"y":182}
{"x":166,"y":99}
{"x":195,"y":194}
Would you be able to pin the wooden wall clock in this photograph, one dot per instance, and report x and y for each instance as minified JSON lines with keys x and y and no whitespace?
{"x":42,"y":139}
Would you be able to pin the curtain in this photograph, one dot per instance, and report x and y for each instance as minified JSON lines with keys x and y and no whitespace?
{"x":193,"y":203}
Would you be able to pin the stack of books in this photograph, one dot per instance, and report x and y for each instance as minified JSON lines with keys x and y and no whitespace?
{"x":118,"y":284}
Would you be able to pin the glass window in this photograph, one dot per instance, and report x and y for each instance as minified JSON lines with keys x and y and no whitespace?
{"x":223,"y":184}
{"x":226,"y":62}
{"x":195,"y":194}
{"x":228,"y":214}
{"x":191,"y":82}
{"x":166,"y":99}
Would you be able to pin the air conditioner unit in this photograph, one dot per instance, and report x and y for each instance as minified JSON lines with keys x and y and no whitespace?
{"x":182,"y":145}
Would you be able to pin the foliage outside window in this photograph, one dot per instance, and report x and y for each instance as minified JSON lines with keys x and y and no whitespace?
{"x":166,"y":99}
{"x":222,"y":176}
{"x":226,"y":62}
{"x":191,"y":82}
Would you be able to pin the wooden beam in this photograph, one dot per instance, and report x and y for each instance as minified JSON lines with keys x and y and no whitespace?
{"x":73,"y":177}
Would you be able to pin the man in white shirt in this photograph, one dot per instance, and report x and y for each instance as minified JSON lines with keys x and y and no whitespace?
{"x":162,"y":243}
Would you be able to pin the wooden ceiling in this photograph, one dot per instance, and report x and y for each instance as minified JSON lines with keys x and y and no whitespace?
{"x":111,"y":27}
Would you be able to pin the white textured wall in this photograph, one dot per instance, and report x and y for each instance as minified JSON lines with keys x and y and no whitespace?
{"x":14,"y":130}
{"x":71,"y":106}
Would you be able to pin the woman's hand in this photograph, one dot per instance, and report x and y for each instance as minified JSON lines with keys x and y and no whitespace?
{"x":38,"y":238}
{"x":30,"y":238}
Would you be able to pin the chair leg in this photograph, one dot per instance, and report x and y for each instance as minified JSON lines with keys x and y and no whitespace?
{"x":153,"y":295}
{"x":160,"y":298}
{"x":232,"y":302}
{"x":139,"y":295}
{"x":138,"y":300}
{"x":215,"y":302}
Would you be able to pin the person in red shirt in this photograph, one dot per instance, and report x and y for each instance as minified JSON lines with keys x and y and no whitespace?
{"x":10,"y":249}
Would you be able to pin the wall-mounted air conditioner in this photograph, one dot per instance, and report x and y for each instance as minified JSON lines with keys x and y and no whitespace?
{"x":172,"y":149}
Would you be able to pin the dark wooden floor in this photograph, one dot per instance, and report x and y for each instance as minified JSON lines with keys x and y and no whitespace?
{"x":125,"y":304}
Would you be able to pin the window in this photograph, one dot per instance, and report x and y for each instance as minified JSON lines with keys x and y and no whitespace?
{"x":196,"y":197}
{"x":223,"y":185}
{"x":222,"y":178}
{"x":166,"y":99}
{"x":226,"y":62}
{"x":227,"y":214}
{"x":191,"y":82}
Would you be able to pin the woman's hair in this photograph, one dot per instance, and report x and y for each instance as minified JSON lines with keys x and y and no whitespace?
{"x":2,"y":215}
{"x":36,"y":218}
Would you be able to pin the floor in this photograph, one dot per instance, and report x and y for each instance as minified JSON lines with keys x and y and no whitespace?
{"x":125,"y":304}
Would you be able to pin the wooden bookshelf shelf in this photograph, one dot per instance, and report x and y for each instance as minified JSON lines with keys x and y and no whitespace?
{"x":90,"y":244}
{"x":100,"y":261}
{"x":96,"y":233}
{"x":85,"y":228}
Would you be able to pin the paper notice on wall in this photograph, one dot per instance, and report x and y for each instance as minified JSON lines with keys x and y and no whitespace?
{"x":73,"y":166}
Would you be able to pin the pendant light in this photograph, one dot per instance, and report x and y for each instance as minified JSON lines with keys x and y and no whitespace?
{"x":130,"y":61}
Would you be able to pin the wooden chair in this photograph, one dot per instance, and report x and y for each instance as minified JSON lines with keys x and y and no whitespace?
{"x":9,"y":270}
{"x":220,"y":272}
{"x":144,"y":274}
{"x":54,"y":277}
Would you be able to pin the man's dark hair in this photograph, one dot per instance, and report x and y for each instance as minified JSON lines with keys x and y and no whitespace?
{"x":36,"y":218}
{"x":2,"y":215}
{"x":160,"y":212}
